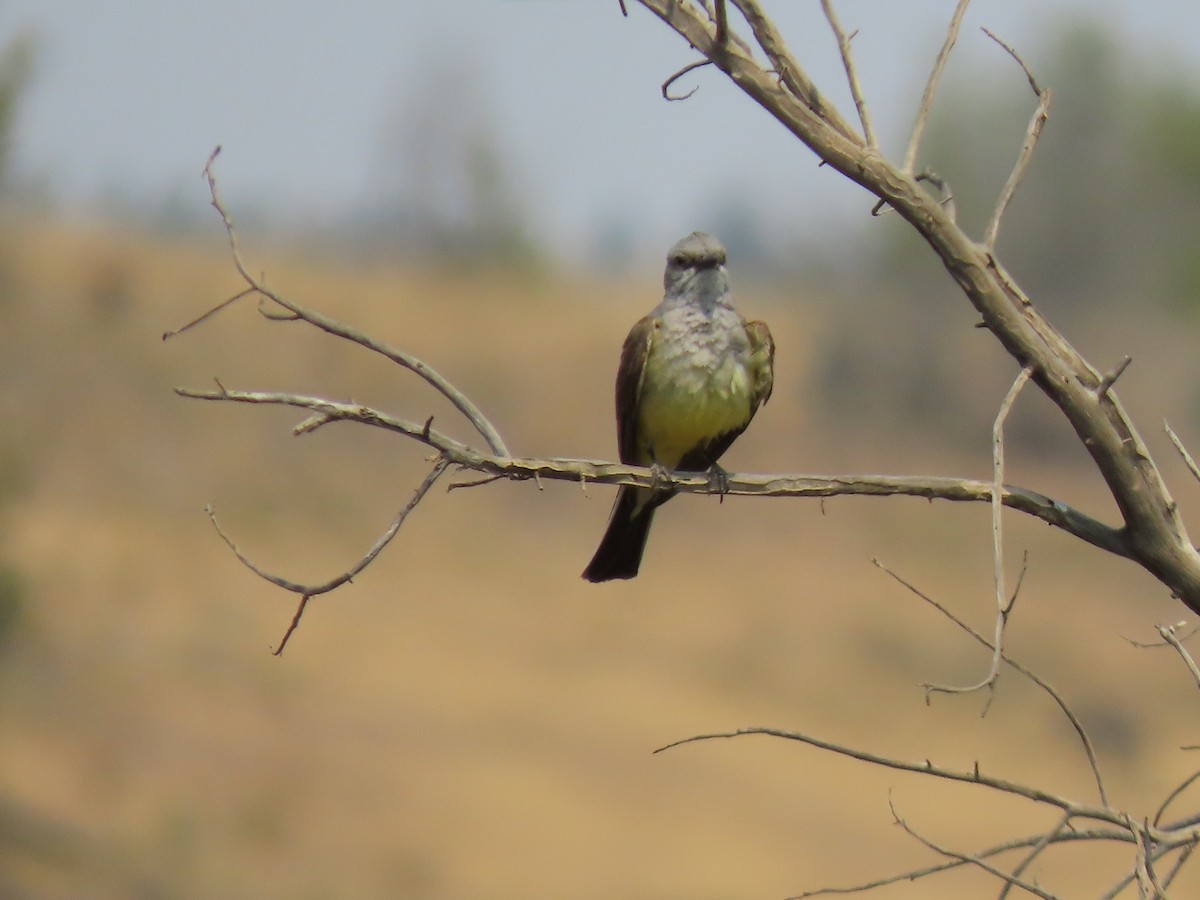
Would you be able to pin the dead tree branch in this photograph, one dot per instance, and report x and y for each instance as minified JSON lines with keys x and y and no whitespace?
{"x":1155,"y":531}
{"x":1004,"y":603}
{"x":308,"y":591}
{"x":1088,"y":748}
{"x":1050,"y":511}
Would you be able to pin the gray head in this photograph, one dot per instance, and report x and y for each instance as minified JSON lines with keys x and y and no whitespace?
{"x":699,"y":260}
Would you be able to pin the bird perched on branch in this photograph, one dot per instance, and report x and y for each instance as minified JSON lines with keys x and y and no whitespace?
{"x":691,"y":377}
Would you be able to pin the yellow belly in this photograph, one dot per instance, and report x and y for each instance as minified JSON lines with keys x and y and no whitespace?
{"x":681,"y":410}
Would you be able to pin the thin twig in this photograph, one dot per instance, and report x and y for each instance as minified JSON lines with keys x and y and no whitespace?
{"x":1046,"y":840}
{"x":1110,"y":377}
{"x":788,"y":70}
{"x":1151,"y":645}
{"x":1167,"y":632}
{"x":1177,"y":866}
{"x":1182,"y":451}
{"x":860,"y":102}
{"x":946,"y":196}
{"x":1054,"y":695}
{"x":928,"y":768}
{"x":1032,"y":133}
{"x":1033,"y":85}
{"x":307,"y":591}
{"x":1156,"y":854}
{"x":245,"y":292}
{"x":970,"y":859}
{"x":460,"y":401}
{"x":1010,"y":187}
{"x":1004,"y":603}
{"x":1171,"y":797}
{"x":1072,"y":836}
{"x":918,"y":130}
{"x":690,"y":67}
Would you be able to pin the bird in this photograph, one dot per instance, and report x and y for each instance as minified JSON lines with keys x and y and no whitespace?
{"x":691,"y":377}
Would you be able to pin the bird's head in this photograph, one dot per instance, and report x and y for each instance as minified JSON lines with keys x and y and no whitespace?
{"x":698,"y":259}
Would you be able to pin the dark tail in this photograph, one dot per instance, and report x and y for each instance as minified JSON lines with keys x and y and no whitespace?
{"x":620,"y":550}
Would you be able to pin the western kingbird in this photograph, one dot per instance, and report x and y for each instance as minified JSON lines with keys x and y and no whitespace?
{"x":692,"y":375}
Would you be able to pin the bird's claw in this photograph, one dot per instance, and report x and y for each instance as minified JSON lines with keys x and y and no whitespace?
{"x":718,"y":481}
{"x":660,"y":476}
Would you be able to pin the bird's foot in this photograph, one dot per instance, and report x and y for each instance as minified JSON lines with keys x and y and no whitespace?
{"x":660,"y":476}
{"x":718,"y":481}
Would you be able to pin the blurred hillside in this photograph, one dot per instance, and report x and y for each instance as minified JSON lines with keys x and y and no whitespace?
{"x":470,"y":719}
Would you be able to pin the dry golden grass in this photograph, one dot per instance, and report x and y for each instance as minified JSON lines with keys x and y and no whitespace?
{"x":470,"y":719}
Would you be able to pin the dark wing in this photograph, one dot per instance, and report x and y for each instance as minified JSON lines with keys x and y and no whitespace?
{"x":630,"y":373}
{"x":761,"y":363}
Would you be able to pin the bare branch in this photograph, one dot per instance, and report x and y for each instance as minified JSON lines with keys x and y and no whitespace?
{"x":1148,"y":882}
{"x":1033,"y":85}
{"x":1053,"y":512}
{"x":255,"y":285}
{"x":1184,"y":855}
{"x":245,"y":292}
{"x":918,"y":130}
{"x":970,"y":859}
{"x":1031,"y":137}
{"x":1167,"y":632}
{"x":307,"y":591}
{"x":1060,"y":837}
{"x":860,"y":102}
{"x":1047,"y":839}
{"x":1182,"y":451}
{"x":690,"y":67}
{"x":1036,"y":795}
{"x":947,"y":196}
{"x":1174,"y":795}
{"x":787,"y":69}
{"x":1004,"y":604}
{"x":1054,"y":695}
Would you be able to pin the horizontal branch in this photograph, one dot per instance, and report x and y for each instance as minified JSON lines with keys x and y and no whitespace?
{"x":1053,"y":512}
{"x":1068,"y":807}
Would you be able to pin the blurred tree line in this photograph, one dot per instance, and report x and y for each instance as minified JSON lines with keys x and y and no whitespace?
{"x":1102,"y":231}
{"x":1108,"y":211}
{"x":16,"y":64}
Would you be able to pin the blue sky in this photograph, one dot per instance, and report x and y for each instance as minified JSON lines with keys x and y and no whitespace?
{"x":130,"y":96}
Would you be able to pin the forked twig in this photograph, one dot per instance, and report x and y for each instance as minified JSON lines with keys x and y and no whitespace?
{"x":255,"y":286}
{"x":1053,"y":694}
{"x":1009,"y":879}
{"x":308,"y":591}
{"x":1031,"y":137}
{"x":1004,"y":603}
{"x":1046,"y":840}
{"x":1167,"y":633}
